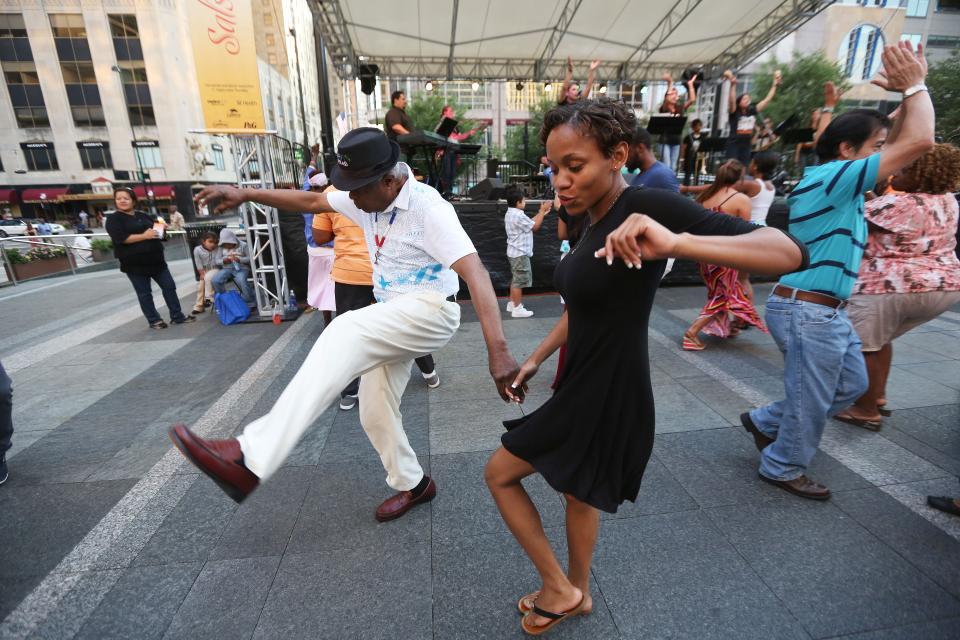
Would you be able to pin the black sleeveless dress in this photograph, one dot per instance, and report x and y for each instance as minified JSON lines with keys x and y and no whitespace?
{"x":592,"y":439}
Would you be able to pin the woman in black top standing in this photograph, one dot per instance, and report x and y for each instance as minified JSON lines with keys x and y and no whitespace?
{"x":138,"y":248}
{"x":595,"y":452}
{"x":743,"y":117}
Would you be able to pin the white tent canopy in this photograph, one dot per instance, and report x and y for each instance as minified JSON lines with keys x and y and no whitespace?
{"x":531,"y":39}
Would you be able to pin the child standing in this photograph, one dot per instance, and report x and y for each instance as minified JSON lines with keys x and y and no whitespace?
{"x":232,"y":258}
{"x":205,"y":259}
{"x":520,"y":230}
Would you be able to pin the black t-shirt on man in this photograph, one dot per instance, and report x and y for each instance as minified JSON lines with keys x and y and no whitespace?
{"x":396,"y":115}
{"x":139,"y":258}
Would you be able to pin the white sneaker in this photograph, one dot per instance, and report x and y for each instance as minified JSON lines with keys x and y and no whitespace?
{"x":432,"y":379}
{"x":348,"y":402}
{"x":520,"y":312}
{"x":510,"y":306}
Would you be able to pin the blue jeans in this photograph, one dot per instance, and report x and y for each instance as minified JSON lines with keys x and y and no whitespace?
{"x":824,"y":373}
{"x":141,"y":284}
{"x":239,"y":276}
{"x":6,"y":410}
{"x":670,"y":155}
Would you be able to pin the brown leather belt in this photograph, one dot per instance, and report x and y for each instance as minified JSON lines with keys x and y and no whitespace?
{"x":809,"y":296}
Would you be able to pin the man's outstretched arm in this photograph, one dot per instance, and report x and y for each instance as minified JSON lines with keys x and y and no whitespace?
{"x":222,"y":197}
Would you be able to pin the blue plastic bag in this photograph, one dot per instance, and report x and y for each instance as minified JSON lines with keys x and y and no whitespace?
{"x":230,"y":307}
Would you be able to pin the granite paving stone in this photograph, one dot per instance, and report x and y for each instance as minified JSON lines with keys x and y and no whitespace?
{"x":707,"y":551}
{"x":674,"y":576}
{"x":856,"y":582}
{"x":225,"y":601}
{"x":141,"y":602}
{"x":476,"y":584}
{"x":261,"y":526}
{"x":381,"y":592}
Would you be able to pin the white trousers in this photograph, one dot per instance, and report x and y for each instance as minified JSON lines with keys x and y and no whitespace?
{"x":377,"y":342}
{"x":205,"y":287}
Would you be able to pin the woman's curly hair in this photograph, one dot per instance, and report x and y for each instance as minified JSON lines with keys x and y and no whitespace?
{"x":607,"y":121}
{"x":936,"y":171}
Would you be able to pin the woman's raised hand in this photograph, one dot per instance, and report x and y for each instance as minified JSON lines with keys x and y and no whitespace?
{"x":639,"y":238}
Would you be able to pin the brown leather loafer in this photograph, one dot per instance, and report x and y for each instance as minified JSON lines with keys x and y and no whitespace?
{"x":397,"y":505}
{"x":761,"y":440}
{"x":801,"y":486}
{"x":222,"y":460}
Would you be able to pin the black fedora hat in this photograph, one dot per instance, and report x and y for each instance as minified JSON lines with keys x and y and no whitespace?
{"x":363,"y":156}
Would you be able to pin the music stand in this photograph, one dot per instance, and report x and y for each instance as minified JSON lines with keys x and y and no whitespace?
{"x":786,"y":125}
{"x":716,"y":144}
{"x":797,"y":136}
{"x":666,"y":125}
{"x":446,"y":127}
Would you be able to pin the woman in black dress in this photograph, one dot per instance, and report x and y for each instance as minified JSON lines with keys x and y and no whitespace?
{"x":595,"y":454}
{"x":138,"y":248}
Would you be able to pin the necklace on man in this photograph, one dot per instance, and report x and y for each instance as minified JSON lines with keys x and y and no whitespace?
{"x":590,"y":227}
{"x":377,"y":238}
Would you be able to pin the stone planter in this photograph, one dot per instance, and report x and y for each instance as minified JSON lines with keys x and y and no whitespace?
{"x":41,"y":268}
{"x":101,"y":255}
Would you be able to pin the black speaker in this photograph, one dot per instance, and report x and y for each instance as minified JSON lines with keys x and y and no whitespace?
{"x":368,"y":77}
{"x":493,"y":167}
{"x":689,"y":72}
{"x":489,"y":189}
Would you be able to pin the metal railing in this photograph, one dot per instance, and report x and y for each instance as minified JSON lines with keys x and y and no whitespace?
{"x":26,"y":243}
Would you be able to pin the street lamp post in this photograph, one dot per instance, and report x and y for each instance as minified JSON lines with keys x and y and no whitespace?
{"x":303,"y":113}
{"x":133,"y":141}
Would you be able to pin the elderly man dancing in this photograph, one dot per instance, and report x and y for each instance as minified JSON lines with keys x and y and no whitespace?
{"x":418,"y":248}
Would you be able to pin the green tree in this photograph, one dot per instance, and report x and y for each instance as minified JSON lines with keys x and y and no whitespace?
{"x":513,"y":137}
{"x":802,"y":89}
{"x":942,"y":80}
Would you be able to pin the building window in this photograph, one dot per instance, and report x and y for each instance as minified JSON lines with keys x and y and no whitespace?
{"x":136,"y":91}
{"x":126,"y":36}
{"x":40,"y":156}
{"x":860,"y":52}
{"x":943,"y":42}
{"x":268,"y":19}
{"x":148,"y":154}
{"x":913,"y":38}
{"x":218,"y":158}
{"x":20,"y":73}
{"x":917,"y":8}
{"x":949,"y":6}
{"x":83,"y":94}
{"x":95,"y":155}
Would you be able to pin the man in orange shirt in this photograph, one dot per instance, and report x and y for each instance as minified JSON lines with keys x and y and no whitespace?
{"x":353,"y":284}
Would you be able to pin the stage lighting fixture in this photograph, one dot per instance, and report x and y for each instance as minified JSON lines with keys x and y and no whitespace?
{"x":548,"y":87}
{"x":603,"y":88}
{"x":428,"y":86}
{"x":519,"y":86}
{"x":475,"y":86}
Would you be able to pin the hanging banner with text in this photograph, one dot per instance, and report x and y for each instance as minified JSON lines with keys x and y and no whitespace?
{"x":225,"y":52}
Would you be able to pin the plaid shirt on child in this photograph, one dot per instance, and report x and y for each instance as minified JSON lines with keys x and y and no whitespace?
{"x":519,"y":233}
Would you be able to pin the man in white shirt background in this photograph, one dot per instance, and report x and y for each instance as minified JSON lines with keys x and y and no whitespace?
{"x":418,"y":249}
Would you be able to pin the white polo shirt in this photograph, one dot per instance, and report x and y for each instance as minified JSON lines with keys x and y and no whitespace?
{"x":418,"y":248}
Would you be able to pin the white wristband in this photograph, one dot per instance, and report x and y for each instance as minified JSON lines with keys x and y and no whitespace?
{"x":917,"y":88}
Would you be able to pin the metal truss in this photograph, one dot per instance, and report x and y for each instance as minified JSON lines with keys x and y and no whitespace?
{"x":786,"y":18}
{"x":491,"y":69}
{"x":261,"y":164}
{"x":664,"y":29}
{"x":559,"y":31}
{"x":333,"y":25}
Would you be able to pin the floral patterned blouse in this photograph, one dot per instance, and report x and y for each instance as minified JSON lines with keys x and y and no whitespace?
{"x":911,"y":245}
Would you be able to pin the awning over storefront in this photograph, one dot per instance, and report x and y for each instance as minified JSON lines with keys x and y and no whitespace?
{"x":34,"y":196}
{"x":8,"y":196}
{"x":160,"y":191}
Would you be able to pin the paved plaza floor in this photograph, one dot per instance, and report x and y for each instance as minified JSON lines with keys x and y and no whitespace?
{"x":106,"y":532}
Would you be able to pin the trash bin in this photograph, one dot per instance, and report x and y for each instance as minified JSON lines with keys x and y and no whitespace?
{"x":195,"y":231}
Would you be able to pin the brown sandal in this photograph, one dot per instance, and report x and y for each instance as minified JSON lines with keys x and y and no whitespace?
{"x":526,"y":603}
{"x":555,"y":618}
